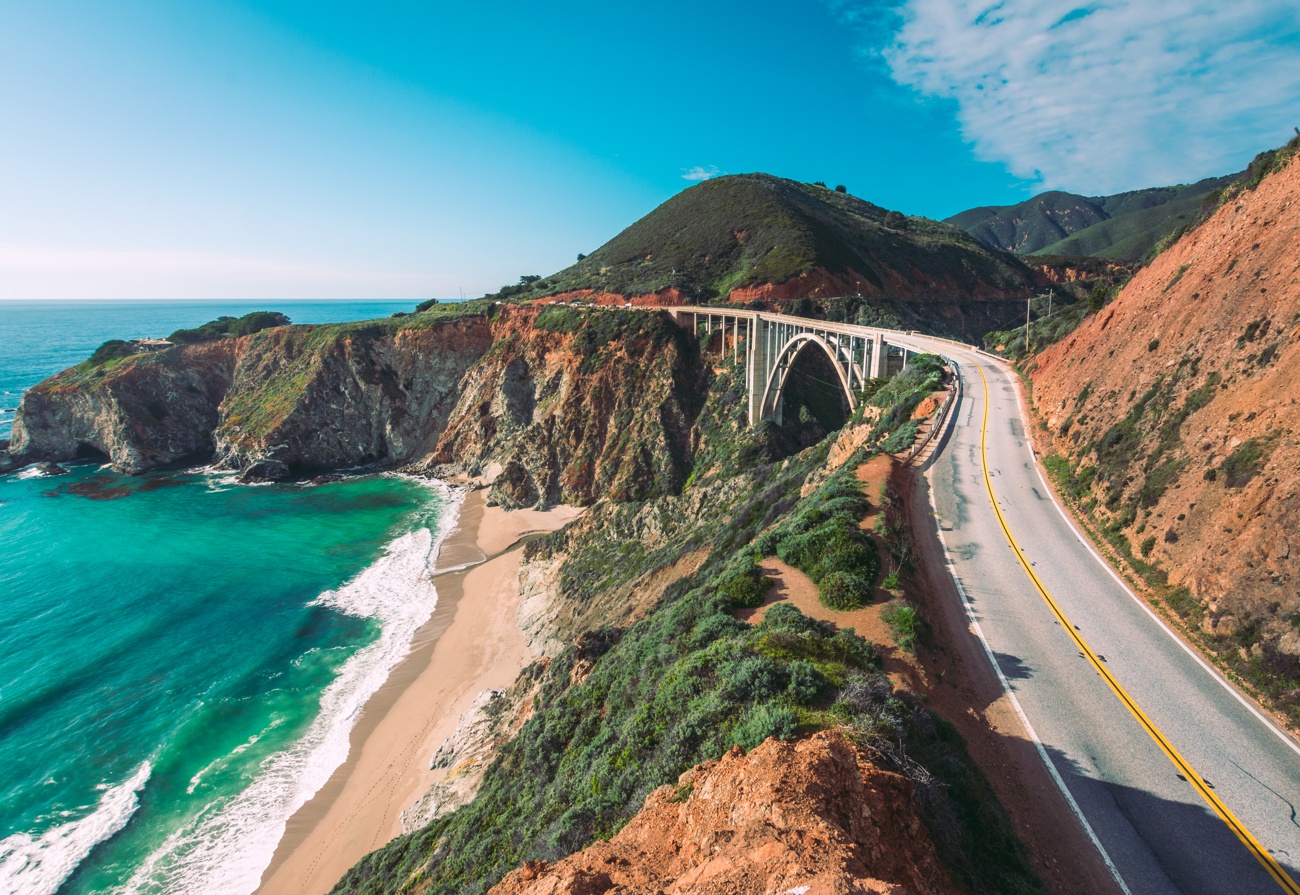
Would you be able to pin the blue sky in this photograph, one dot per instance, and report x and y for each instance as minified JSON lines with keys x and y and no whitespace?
{"x":394,"y":149}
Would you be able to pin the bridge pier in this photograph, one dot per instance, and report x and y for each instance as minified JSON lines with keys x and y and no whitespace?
{"x":773,"y":341}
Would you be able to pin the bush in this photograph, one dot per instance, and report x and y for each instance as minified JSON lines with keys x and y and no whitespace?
{"x":225,"y":327}
{"x":1243,"y":463}
{"x":1098,"y":297}
{"x":746,"y":589}
{"x":751,"y":679}
{"x":426,"y":305}
{"x":806,"y":682}
{"x":844,"y":591}
{"x":904,"y":623}
{"x":762,"y":721}
{"x":113,"y":349}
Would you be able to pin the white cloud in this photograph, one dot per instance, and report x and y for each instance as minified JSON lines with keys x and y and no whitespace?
{"x":699,"y":172}
{"x":1105,"y":96}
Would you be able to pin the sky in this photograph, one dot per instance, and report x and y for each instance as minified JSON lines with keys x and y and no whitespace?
{"x":284,"y":149}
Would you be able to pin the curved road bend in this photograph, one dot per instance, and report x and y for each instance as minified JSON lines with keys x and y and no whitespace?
{"x":1160,"y":833}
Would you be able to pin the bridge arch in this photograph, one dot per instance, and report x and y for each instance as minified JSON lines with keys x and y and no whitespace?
{"x":775,"y":387}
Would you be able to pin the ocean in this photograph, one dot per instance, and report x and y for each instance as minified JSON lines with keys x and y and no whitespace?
{"x":182,"y":658}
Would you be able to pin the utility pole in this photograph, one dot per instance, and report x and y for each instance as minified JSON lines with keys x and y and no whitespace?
{"x":1027,"y":301}
{"x":1050,"y":293}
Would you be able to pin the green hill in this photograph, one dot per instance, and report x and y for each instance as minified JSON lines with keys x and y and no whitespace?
{"x":754,"y":230}
{"x":1125,"y":226}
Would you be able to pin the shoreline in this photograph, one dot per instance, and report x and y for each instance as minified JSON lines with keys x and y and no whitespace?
{"x":471,"y":643}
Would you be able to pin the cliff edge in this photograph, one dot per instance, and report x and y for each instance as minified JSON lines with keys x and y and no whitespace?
{"x":812,"y":816}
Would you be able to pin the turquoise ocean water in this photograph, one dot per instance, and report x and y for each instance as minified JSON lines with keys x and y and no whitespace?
{"x":181,"y":657}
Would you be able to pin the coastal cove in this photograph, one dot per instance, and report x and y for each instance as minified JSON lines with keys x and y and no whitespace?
{"x":184,"y":659}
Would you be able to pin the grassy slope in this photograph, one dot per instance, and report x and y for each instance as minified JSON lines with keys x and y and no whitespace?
{"x":748,"y":229}
{"x":682,"y":685}
{"x":1125,"y":226}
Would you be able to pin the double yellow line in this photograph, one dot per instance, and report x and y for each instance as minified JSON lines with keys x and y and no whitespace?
{"x":1184,"y":768}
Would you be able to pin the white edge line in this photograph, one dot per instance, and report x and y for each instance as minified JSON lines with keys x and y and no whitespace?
{"x":1015,"y":703}
{"x":1173,"y":635}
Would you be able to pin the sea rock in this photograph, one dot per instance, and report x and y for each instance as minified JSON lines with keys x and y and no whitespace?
{"x":49,"y":469}
{"x":8,"y":462}
{"x":265,"y":470}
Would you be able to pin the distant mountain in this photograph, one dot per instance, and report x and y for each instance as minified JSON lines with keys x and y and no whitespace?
{"x":1125,"y":226}
{"x":754,"y":236}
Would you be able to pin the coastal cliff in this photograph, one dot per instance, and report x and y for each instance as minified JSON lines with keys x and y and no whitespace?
{"x":545,"y":405}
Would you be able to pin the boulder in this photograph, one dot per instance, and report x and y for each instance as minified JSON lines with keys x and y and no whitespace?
{"x":265,"y":470}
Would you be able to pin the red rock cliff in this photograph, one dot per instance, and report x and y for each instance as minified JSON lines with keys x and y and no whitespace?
{"x":812,"y":817}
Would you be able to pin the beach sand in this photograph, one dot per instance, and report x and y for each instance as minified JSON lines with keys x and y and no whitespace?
{"x":471,"y":643}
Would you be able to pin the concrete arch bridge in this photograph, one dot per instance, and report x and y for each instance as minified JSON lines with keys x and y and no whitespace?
{"x":771,"y":344}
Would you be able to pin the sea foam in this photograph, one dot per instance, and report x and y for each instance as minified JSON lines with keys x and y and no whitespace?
{"x":225,"y":850}
{"x":38,"y":865}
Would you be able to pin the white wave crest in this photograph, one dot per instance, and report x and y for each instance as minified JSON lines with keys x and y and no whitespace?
{"x":225,"y":851}
{"x":38,"y":865}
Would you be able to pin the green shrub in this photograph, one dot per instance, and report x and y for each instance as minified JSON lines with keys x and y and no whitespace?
{"x":902,"y":438}
{"x":113,"y":349}
{"x":844,"y":591}
{"x":769,"y":719}
{"x":1247,"y":460}
{"x":745,"y":590}
{"x":224,"y":327}
{"x":806,"y":683}
{"x":904,"y":623}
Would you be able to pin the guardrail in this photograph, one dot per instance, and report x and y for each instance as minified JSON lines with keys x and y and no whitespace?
{"x":941,"y":420}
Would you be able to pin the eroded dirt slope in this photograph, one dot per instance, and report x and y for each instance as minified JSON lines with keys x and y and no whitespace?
{"x":1177,"y":406}
{"x":813,"y":817}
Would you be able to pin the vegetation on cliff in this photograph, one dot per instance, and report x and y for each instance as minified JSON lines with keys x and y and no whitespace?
{"x":224,"y":327}
{"x":629,"y":707}
{"x":1173,"y":433}
{"x":1126,"y":226}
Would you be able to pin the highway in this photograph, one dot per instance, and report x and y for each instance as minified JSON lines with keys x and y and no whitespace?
{"x":1180,"y":782}
{"x":1183,"y":785}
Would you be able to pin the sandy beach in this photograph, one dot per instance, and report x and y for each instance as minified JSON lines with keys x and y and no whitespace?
{"x":471,"y":643}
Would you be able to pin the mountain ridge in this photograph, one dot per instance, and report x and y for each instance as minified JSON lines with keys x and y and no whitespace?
{"x":1124,"y":226}
{"x":756,"y":237}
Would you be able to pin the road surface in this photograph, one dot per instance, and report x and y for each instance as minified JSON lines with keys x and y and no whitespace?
{"x":1184,"y":786}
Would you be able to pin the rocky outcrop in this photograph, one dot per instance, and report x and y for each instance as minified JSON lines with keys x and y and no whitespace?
{"x":566,"y":417}
{"x":813,"y":817}
{"x":141,"y":412}
{"x":573,"y":411}
{"x":326,"y":398}
{"x":1177,"y":405}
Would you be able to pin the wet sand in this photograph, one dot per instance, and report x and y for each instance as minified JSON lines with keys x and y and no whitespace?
{"x":472,"y":643}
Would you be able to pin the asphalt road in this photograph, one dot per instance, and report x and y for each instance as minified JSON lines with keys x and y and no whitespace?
{"x":1159,"y":831}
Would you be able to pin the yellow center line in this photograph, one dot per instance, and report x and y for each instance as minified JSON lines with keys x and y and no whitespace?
{"x":1185,"y":769}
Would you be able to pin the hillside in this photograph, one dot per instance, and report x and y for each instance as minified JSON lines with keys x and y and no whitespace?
{"x":1174,"y":413}
{"x":1125,"y":226}
{"x":757,"y":237}
{"x":644,"y":668}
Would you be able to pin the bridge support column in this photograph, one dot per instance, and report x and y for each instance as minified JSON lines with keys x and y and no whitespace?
{"x":878,"y":349}
{"x":757,"y":356}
